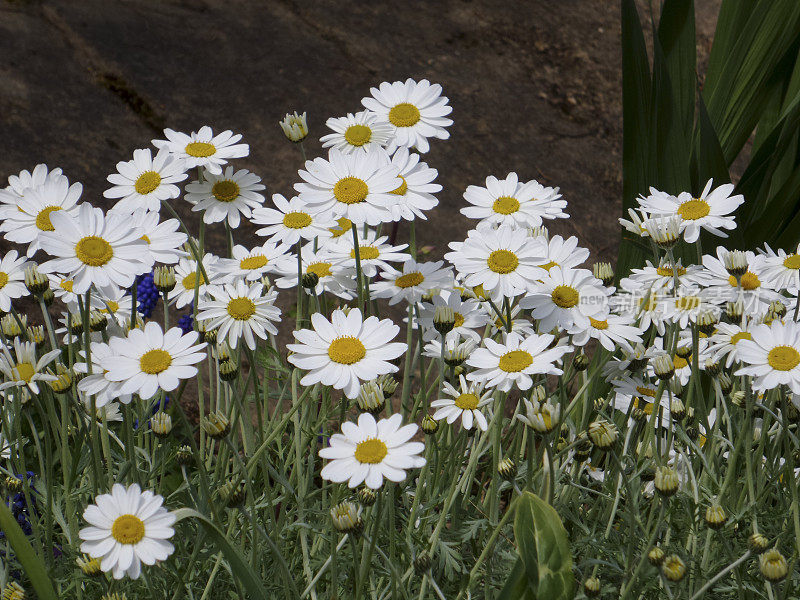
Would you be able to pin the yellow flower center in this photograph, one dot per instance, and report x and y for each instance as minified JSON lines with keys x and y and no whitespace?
{"x":783,"y":358}
{"x":409,"y":280}
{"x":346,"y":350}
{"x":225,"y":190}
{"x":647,"y":407}
{"x":670,"y":272}
{"x":94,"y":251}
{"x":404,"y":115}
{"x":371,"y":451}
{"x":565,"y":296}
{"x":694,"y":209}
{"x":350,"y":190}
{"x":253,"y":262}
{"x":515,"y":361}
{"x":467,"y":402}
{"x":112,"y":307}
{"x":128,"y":529}
{"x":241,"y":309}
{"x":190,"y":280}
{"x":598,"y":324}
{"x":147,"y":182}
{"x":366,"y":253}
{"x":644,"y":391}
{"x":792,"y":262}
{"x":3,"y":279}
{"x":145,"y":238}
{"x":155,"y":361}
{"x":687,"y":302}
{"x":750,"y":281}
{"x":320,"y":269}
{"x":459,"y":320}
{"x":549,"y":265}
{"x":25,"y":371}
{"x":344,"y":225}
{"x":357,"y":135}
{"x":43,"y":218}
{"x":502,"y":261}
{"x":401,"y":191}
{"x":505,"y":205}
{"x":742,"y":335}
{"x":200,"y":149}
{"x":296,"y":220}
{"x":679,"y":362}
{"x":66,"y":285}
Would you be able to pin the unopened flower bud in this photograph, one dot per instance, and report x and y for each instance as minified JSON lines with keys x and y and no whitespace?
{"x":207,"y":334}
{"x":114,"y":596}
{"x":366,"y":496}
{"x":591,"y":587}
{"x":388,"y":385}
{"x":65,"y":379}
{"x":738,"y":398}
{"x":734,"y":311}
{"x":777,"y":309}
{"x":48,"y":297}
{"x":295,"y":127}
{"x":683,"y":351}
{"x":757,"y":543}
{"x":673,"y":568}
{"x":677,"y":409}
{"x":583,"y":446}
{"x":10,"y":325}
{"x":664,"y":231}
{"x":604,"y":272}
{"x":161,"y":424}
{"x":89,"y":566}
{"x":429,"y":425}
{"x":36,"y":282}
{"x":13,"y":484}
{"x":715,"y":516}
{"x":735,"y":263}
{"x":711,"y":367}
{"x":13,"y":591}
{"x":580,"y":362}
{"x":706,"y":322}
{"x":655,"y":556}
{"x":542,"y":417}
{"x":98,"y":321}
{"x":603,"y":434}
{"x":773,"y":565}
{"x":232,"y":493}
{"x":666,"y":481}
{"x":74,"y":324}
{"x":444,"y":319}
{"x":346,"y":517}
{"x":370,"y":398}
{"x":507,"y":469}
{"x":664,"y":367}
{"x":725,"y":383}
{"x":184,"y":456}
{"x":228,"y":370}
{"x":216,"y":425}
{"x":310,"y":280}
{"x":164,"y":279}
{"x":538,"y":394}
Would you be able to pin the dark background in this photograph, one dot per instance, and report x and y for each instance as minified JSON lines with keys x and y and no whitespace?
{"x":534,"y":85}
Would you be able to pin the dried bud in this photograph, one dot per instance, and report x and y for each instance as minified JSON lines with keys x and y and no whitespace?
{"x":310,"y":280}
{"x":583,"y":446}
{"x":184,"y":456}
{"x":232,"y":493}
{"x":13,"y":484}
{"x":422,"y":562}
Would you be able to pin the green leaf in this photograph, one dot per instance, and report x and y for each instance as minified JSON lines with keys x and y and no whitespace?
{"x":239,"y":567}
{"x":544,"y":549}
{"x":30,"y":561}
{"x":517,"y":585}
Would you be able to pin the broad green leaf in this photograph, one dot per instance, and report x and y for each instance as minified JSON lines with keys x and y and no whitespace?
{"x":517,"y":585}
{"x":31,"y":562}
{"x":544,"y":548}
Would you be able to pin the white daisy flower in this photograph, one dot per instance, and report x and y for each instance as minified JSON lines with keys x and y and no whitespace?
{"x":163,"y":238}
{"x":26,"y":180}
{"x":558,"y":252}
{"x":62,"y":289}
{"x":415,"y":110}
{"x":127,"y":527}
{"x":456,"y":349}
{"x":611,"y":331}
{"x":772,"y":356}
{"x":31,"y":217}
{"x":636,"y":223}
{"x":12,"y":279}
{"x":360,"y":132}
{"x":357,"y":186}
{"x":504,"y":261}
{"x":465,"y":403}
{"x":515,"y":360}
{"x":374,"y":252}
{"x":368,"y":452}
{"x":241,"y":310}
{"x":252,"y":265}
{"x":566,"y":298}
{"x":416,"y":194}
{"x":95,"y":249}
{"x":95,"y":383}
{"x":115,"y":303}
{"x":467,"y":313}
{"x":146,"y":180}
{"x":723,"y":287}
{"x":780,"y":270}
{"x":226,"y":196}
{"x":663,"y":276}
{"x":203,"y":148}
{"x":150,"y":359}
{"x":509,"y":202}
{"x":645,"y":306}
{"x":346,"y":350}
{"x":110,"y":412}
{"x":725,"y":339}
{"x":711,"y":211}
{"x":22,"y":369}
{"x":333,"y":276}
{"x":186,"y":276}
{"x":413,"y":282}
{"x":642,"y":394}
{"x":686,"y":307}
{"x":292,"y":221}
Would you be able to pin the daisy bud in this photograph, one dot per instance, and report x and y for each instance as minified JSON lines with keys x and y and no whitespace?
{"x":35,"y":334}
{"x":603,"y":434}
{"x":422,"y":562}
{"x":184,"y":456}
{"x":36,"y":282}
{"x":13,"y":484}
{"x":675,"y":386}
{"x":429,"y":425}
{"x":88,"y":565}
{"x":161,"y":425}
{"x":14,"y":591}
{"x":538,"y":394}
{"x":346,"y":517}
{"x":74,"y":324}
{"x":388,"y":385}
{"x":310,"y":281}
{"x":10,"y":325}
{"x":711,"y":367}
{"x":716,"y":516}
{"x":735,"y":263}
{"x":216,"y":425}
{"x":507,"y":469}
{"x":655,"y":556}
{"x":267,"y":285}
{"x":604,"y":272}
{"x":232,"y":493}
{"x":48,"y":297}
{"x":665,"y":231}
{"x":591,"y":587}
{"x":773,"y":565}
{"x":677,"y":409}
{"x":65,"y":379}
{"x":706,"y":322}
{"x":542,"y":417}
{"x":777,"y":309}
{"x":725,"y":383}
{"x":758,"y":543}
{"x":673,"y":568}
{"x":666,"y":481}
{"x":684,"y":351}
{"x":444,"y":319}
{"x":430,"y":294}
{"x":664,"y":366}
{"x":295,"y":127}
{"x":540,"y":231}
{"x":366,"y":496}
{"x":228,"y":370}
{"x":370,"y":398}
{"x":97,"y":321}
{"x":791,"y":411}
{"x":164,"y":279}
{"x":734,"y":311}
{"x":583,"y":446}
{"x":580,"y":362}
